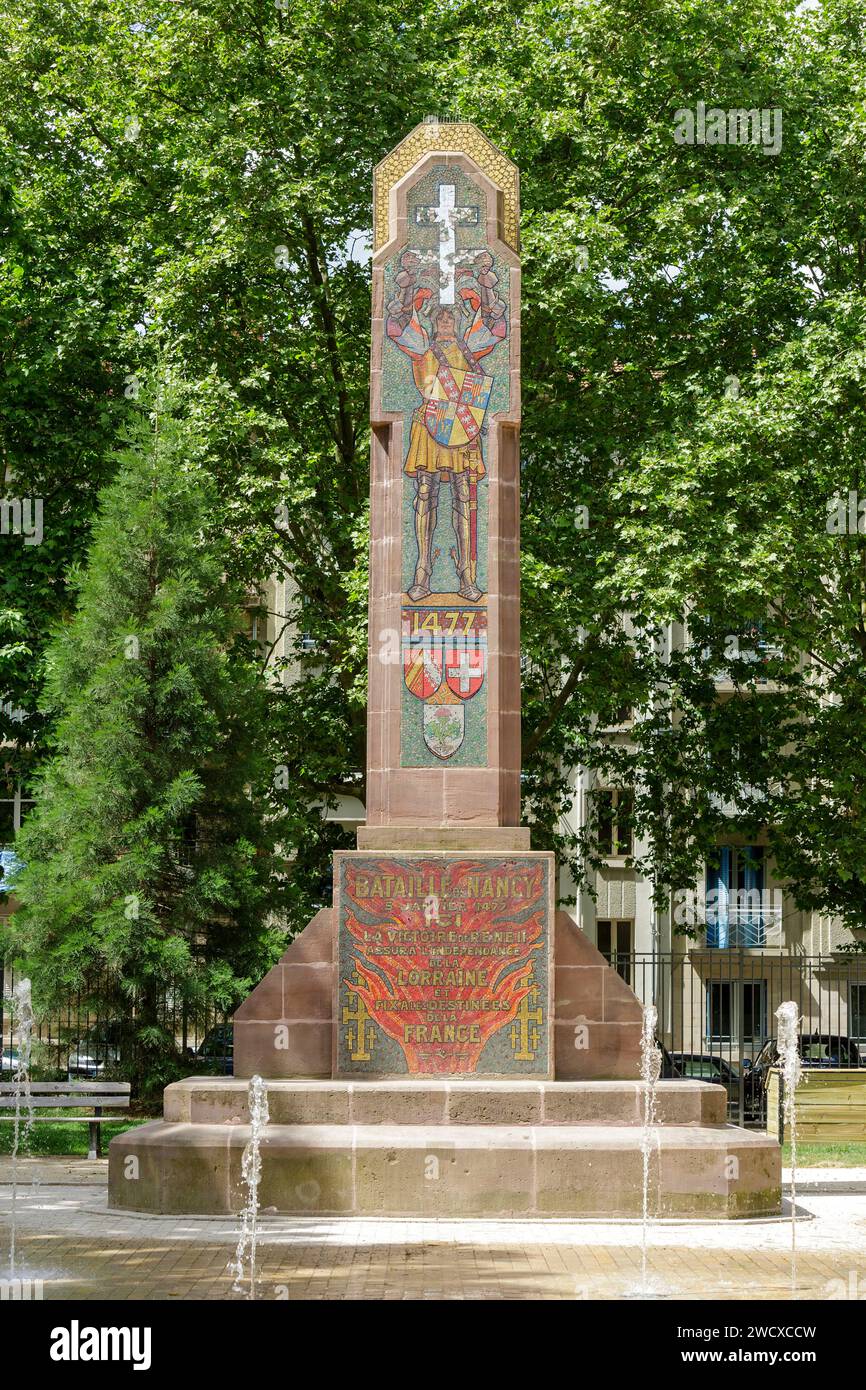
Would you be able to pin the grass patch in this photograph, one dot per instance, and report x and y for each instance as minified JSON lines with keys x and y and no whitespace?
{"x":70,"y":1141}
{"x":845,"y":1154}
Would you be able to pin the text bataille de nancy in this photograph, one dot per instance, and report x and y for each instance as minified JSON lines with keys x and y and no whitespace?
{"x":423,"y":886}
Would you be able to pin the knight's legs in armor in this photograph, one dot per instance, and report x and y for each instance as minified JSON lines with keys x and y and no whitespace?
{"x":426,"y":504}
{"x":460,"y":517}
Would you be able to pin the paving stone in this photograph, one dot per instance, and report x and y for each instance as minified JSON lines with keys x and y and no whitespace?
{"x":85,"y":1252}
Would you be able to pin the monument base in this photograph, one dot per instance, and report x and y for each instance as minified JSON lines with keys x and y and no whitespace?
{"x":448,"y":1148}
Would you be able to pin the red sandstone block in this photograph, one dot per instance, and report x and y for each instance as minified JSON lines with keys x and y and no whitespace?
{"x":606,"y":1051}
{"x":266,"y":1000}
{"x":416,"y":796}
{"x":375,"y":803}
{"x":310,"y":1046}
{"x":572,"y":947}
{"x":579,"y":993}
{"x":315,"y":943}
{"x":378,"y":298}
{"x":296,"y":1049}
{"x":472,"y":796}
{"x":375,"y":394}
{"x":255,"y":1052}
{"x":308,"y":990}
{"x":621,"y":1004}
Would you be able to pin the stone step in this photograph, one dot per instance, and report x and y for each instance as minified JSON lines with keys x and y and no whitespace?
{"x":448,"y":1170}
{"x":214,"y":1100}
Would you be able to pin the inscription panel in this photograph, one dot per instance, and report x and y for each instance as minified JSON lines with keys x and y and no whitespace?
{"x":443,"y":965}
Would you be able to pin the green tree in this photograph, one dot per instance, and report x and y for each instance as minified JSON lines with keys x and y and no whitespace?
{"x":197,"y":183}
{"x":769,"y":518}
{"x":150,"y":854}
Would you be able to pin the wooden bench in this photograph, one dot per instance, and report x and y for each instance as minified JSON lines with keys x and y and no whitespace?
{"x":69,"y":1095}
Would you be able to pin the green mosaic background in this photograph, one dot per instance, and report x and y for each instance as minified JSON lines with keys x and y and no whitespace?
{"x":400,"y":394}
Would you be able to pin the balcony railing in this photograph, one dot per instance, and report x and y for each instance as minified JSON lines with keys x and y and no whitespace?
{"x":744,"y":928}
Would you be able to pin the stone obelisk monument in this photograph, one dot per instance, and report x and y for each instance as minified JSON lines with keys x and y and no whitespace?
{"x":437,"y":957}
{"x":444,"y":916}
{"x":417,"y":1057}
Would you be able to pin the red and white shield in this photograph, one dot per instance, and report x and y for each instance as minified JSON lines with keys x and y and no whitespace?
{"x":422,"y":665}
{"x":465,"y":665}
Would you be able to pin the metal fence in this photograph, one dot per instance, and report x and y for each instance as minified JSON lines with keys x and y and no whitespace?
{"x":715,"y":1019}
{"x":85,"y":1039}
{"x":716,"y":1011}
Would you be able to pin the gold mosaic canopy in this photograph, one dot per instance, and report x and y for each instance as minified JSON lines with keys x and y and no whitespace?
{"x":459,"y":136}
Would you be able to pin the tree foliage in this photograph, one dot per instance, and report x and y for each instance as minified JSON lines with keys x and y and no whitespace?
{"x":194,"y":185}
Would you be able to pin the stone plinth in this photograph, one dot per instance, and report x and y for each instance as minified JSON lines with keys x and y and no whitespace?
{"x":448,"y":1148}
{"x":431,"y":1101}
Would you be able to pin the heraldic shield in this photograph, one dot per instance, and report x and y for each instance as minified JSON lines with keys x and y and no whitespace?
{"x":444,"y":670}
{"x":455,"y":408}
{"x":444,"y":728}
{"x":465,"y":665}
{"x":422,"y":665}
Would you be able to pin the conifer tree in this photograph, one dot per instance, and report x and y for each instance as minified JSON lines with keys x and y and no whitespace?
{"x":150,"y":860}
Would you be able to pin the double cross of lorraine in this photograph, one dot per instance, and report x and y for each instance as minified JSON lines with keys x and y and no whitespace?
{"x":446,"y":215}
{"x":360,"y":1038}
{"x":526,"y":1027}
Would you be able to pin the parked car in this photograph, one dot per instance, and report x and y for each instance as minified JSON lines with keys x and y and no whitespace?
{"x":820,"y":1050}
{"x":9,"y":1061}
{"x":218,"y":1048}
{"x":704,"y":1066}
{"x":98,"y":1049}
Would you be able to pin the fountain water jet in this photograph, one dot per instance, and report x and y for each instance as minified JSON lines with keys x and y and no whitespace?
{"x":22,"y":1033}
{"x":787,"y":1039}
{"x":251,"y":1172}
{"x":650,"y":1071}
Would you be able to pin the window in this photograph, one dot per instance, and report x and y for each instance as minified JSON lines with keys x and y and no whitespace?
{"x":735,"y":900}
{"x":744,"y":644}
{"x":614,"y":809}
{"x":857,"y":1012}
{"x":754,"y":1010}
{"x":719,"y":1009}
{"x":15,"y":806}
{"x":13,"y":810}
{"x":256,"y":619}
{"x":731,"y":1001}
{"x":7,"y":822}
{"x":621,"y":716}
{"x":307,"y":642}
{"x":614,"y":939}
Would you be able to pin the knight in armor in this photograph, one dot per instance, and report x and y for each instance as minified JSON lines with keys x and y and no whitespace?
{"x":445,"y":437}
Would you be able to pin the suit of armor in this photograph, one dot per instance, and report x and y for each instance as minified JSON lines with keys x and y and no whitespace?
{"x":445,"y":437}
